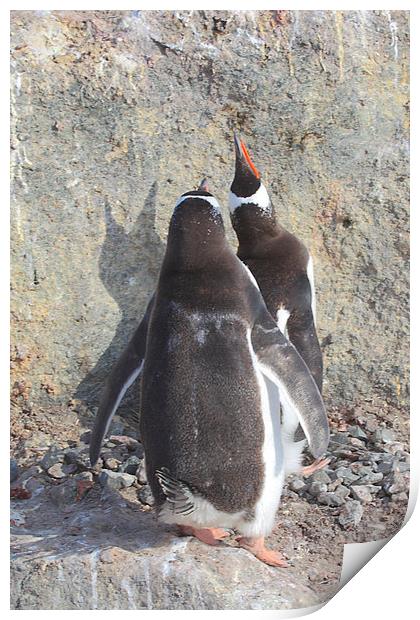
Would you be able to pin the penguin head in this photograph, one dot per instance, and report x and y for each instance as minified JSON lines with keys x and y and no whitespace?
{"x":247,"y":187}
{"x":198,"y":201}
{"x":197,"y":213}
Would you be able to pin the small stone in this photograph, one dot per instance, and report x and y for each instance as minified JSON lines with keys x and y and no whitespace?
{"x":110,"y":444}
{"x":320,"y":476}
{"x":394,"y":448}
{"x":357,"y":432}
{"x":371,"y":478}
{"x":71,"y":456}
{"x":315,"y":488}
{"x":57,"y":471}
{"x":400,"y":497}
{"x":145,"y":495}
{"x":112,"y":464}
{"x":371,"y":424}
{"x":385,"y":467}
{"x":361,"y":493}
{"x":34,"y":485}
{"x":14,"y":470}
{"x":330,"y":499}
{"x":339,"y":438}
{"x":346,"y":475}
{"x":86,"y":476}
{"x":384,"y":435}
{"x":297,"y":484}
{"x":360,"y":470}
{"x":373,"y":488}
{"x":115,"y":480}
{"x":376,"y":457}
{"x":342,"y":491}
{"x":395,"y":482}
{"x":350,"y":514}
{"x":141,"y":473}
{"x":402,"y":467}
{"x":130,"y":442}
{"x":64,"y":493}
{"x":130,"y":466}
{"x":52,"y":457}
{"x":357,"y":443}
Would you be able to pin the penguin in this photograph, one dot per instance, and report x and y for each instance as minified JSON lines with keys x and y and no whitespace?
{"x":124,"y":373}
{"x":209,"y":425}
{"x":283,"y":269}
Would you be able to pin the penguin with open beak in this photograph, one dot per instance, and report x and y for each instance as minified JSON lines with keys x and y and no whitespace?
{"x":283,"y":269}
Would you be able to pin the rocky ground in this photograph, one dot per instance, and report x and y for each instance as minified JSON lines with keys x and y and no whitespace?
{"x":66,"y":513}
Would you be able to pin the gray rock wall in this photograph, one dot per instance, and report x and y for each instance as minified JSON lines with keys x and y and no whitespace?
{"x":115,"y":114}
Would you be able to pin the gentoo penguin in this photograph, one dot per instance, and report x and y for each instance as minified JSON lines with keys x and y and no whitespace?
{"x":125,"y":371}
{"x":209,"y":427}
{"x":283,"y":269}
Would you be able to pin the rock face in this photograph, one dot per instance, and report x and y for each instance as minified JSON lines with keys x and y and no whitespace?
{"x":100,"y":554}
{"x":116,"y":113}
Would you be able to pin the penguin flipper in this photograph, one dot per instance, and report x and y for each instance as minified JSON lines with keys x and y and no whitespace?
{"x":179,"y":494}
{"x":126,"y":370}
{"x":302,"y":333}
{"x":281,"y":363}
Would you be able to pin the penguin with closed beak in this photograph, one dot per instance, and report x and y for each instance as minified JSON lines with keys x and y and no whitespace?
{"x":209,"y":423}
{"x":283,"y":269}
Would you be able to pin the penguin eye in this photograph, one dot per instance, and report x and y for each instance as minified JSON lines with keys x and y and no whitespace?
{"x":248,"y":159}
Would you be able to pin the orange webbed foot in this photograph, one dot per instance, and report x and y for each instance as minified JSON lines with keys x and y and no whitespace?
{"x":208,"y":535}
{"x":317,"y":464}
{"x":257,"y":547}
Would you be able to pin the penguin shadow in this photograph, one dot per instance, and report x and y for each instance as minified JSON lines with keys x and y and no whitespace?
{"x":103,"y":519}
{"x":129,"y":266}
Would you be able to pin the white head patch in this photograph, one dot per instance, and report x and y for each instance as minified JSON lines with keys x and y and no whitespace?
{"x":260,"y":198}
{"x":210,"y":199}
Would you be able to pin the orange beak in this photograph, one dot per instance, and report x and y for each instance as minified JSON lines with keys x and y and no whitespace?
{"x":242,"y":153}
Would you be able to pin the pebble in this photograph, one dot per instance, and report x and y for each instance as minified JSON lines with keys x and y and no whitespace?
{"x":141,"y":473}
{"x":351,"y":513}
{"x":346,"y":475}
{"x":357,"y":443}
{"x":115,"y":480}
{"x":357,"y":432}
{"x":112,"y":464}
{"x":330,"y":499}
{"x":320,"y":476}
{"x":315,"y":488}
{"x":52,"y":457}
{"x":297,"y":484}
{"x":64,"y":493}
{"x":130,"y":442}
{"x":14,"y":470}
{"x":130,"y":466}
{"x":85,"y":476}
{"x":400,"y":497}
{"x":395,"y":483}
{"x":145,"y":495}
{"x":59,"y":470}
{"x":394,"y":448}
{"x":339,"y":438}
{"x":342,"y":491}
{"x":371,"y":424}
{"x":360,"y":469}
{"x":371,"y":478}
{"x":384,"y":435}
{"x":361,"y":493}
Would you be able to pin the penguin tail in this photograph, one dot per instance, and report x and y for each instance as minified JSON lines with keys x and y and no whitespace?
{"x":178,"y":494}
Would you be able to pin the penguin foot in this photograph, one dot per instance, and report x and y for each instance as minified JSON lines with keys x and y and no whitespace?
{"x":208,"y":535}
{"x":317,"y":464}
{"x":257,"y":547}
